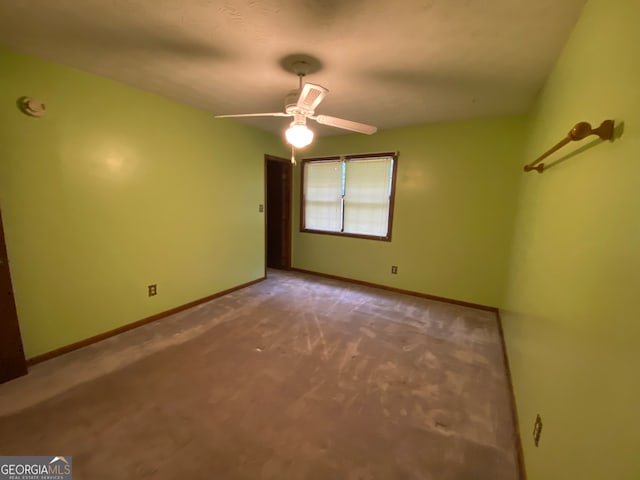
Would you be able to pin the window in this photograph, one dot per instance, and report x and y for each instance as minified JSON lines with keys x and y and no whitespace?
{"x":349,"y":195}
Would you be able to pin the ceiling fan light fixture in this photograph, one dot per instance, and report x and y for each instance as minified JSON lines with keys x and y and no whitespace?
{"x":299,"y":135}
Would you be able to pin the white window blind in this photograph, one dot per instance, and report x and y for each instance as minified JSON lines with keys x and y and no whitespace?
{"x":367,"y":196}
{"x":323,"y":195}
{"x":350,"y":195}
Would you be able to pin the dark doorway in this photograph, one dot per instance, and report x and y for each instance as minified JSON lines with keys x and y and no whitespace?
{"x":12,"y":361}
{"x":278,"y":177}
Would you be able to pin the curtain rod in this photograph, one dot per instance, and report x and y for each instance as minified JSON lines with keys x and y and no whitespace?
{"x":578,"y":132}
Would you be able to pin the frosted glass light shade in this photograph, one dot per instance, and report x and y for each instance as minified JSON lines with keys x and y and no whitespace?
{"x":299,"y":135}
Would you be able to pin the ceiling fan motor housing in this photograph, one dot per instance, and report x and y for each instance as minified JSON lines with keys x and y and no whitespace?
{"x":291,"y":101}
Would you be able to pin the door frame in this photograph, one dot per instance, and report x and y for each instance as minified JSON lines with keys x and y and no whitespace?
{"x":267,"y":159}
{"x":10,"y":328}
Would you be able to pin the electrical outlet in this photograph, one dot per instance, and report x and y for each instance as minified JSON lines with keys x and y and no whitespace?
{"x":261,"y":208}
{"x":537,"y":430}
{"x":394,"y":269}
{"x":153,"y":290}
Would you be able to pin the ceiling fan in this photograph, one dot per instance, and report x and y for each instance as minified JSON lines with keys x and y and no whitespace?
{"x":301,"y":105}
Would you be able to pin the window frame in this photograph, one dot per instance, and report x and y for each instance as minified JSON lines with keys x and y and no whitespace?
{"x":345,"y":158}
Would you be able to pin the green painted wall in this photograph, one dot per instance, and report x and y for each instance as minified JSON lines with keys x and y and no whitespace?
{"x":115,"y":189}
{"x":455,"y":204}
{"x":572,"y":321}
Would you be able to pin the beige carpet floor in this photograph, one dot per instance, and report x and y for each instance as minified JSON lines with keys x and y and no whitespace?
{"x":297,"y":377}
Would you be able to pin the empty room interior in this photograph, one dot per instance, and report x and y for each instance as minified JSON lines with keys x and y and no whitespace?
{"x":436,"y":280}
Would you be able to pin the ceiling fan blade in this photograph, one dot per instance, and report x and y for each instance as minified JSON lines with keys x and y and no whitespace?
{"x":274,"y":114}
{"x":345,"y":124}
{"x":310,"y":97}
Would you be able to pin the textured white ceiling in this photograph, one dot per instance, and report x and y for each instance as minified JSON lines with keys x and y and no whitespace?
{"x":386,"y":63}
